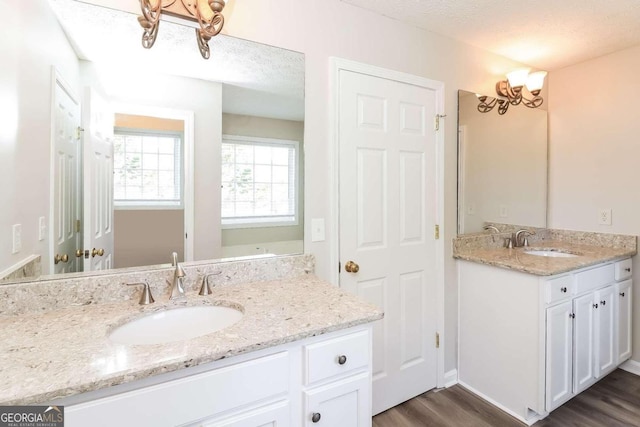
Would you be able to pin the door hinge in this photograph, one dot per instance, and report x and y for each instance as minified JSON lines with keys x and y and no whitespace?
{"x":79,"y":131}
{"x":436,"y":124}
{"x":78,"y":226}
{"x":437,"y":232}
{"x":339,"y":267}
{"x":437,"y":340}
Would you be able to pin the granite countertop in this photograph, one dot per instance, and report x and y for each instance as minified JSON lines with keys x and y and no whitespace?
{"x":60,"y":353}
{"x":518,"y":259}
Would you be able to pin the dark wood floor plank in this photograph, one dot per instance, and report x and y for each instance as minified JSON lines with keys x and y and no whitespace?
{"x":612,"y":402}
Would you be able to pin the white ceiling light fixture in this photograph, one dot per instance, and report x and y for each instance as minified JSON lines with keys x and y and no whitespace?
{"x":512,"y":90}
{"x":207,"y":13}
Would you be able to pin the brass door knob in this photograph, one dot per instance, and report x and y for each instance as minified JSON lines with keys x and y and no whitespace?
{"x":98,"y":252}
{"x":351,"y":267}
{"x":79,"y":253}
{"x":58,"y":258}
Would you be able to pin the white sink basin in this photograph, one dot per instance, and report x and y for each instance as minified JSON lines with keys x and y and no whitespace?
{"x":176,"y":324}
{"x":550,"y":253}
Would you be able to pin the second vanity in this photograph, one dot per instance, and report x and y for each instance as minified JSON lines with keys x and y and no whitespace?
{"x":535,"y":331}
{"x":300,"y":355}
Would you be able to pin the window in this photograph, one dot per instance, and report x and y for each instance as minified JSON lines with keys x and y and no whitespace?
{"x":259,"y":182}
{"x":147,"y":169}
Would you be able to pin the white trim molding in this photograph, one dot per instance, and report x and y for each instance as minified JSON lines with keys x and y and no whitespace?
{"x":631,"y":366}
{"x":450,"y":378}
{"x":337,"y":65}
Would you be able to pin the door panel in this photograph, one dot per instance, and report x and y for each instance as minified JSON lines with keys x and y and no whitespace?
{"x":559,"y":354}
{"x":624,"y":301}
{"x":387,"y":204}
{"x":583,"y":376}
{"x":605,"y":333}
{"x":66,"y":176}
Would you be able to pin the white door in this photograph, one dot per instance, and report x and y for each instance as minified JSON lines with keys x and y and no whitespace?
{"x":605,"y":333}
{"x":387,"y":187}
{"x":67,"y":155}
{"x":583,"y":350}
{"x":98,"y":121}
{"x":559,"y":354}
{"x":623,"y":309}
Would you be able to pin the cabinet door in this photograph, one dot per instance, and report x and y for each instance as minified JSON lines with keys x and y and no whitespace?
{"x":583,"y":352}
{"x":559,"y":352}
{"x":623,"y":309}
{"x":604,"y":332}
{"x":345,"y":403}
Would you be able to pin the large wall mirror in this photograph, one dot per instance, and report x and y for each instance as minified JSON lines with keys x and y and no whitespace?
{"x":502,"y":166}
{"x":152,"y":151}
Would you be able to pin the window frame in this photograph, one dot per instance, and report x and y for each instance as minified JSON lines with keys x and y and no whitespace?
{"x":265,"y":221}
{"x":119,"y":204}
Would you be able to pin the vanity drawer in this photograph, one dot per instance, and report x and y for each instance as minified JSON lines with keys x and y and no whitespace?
{"x":623,"y":269}
{"x":559,"y":289}
{"x":336,"y":356}
{"x":594,"y":278}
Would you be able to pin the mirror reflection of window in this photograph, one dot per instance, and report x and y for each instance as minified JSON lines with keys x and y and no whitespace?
{"x":259,"y":182}
{"x":147,"y":168}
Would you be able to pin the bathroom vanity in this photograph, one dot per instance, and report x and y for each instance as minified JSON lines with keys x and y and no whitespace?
{"x":535,"y":331}
{"x":300,"y":354}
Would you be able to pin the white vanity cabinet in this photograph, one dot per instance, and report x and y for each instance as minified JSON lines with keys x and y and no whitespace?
{"x":324,"y":380}
{"x":530,"y":343}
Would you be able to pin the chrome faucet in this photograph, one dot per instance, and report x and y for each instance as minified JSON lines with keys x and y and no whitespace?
{"x":491,"y":227}
{"x":518,"y":242}
{"x":177,"y":286}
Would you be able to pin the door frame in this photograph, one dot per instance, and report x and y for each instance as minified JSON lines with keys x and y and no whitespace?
{"x":336,"y":66}
{"x":188,"y":117}
{"x":57,"y":79}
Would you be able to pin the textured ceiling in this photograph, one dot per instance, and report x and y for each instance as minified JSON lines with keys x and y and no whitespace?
{"x":268,"y":81}
{"x":546,"y":34}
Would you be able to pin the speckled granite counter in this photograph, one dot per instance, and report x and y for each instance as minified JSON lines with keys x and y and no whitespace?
{"x":66,"y":351}
{"x":591,"y":248}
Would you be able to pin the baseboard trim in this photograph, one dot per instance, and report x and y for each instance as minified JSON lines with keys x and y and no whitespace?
{"x":450,"y":378}
{"x":528,"y":422}
{"x":631,"y":366}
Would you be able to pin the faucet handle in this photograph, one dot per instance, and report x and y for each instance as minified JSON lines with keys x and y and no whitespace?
{"x":146,"y":298}
{"x":205,"y":289}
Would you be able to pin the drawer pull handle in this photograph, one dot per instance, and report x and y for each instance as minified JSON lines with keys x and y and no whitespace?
{"x":316,"y":417}
{"x":563,"y":289}
{"x":628,"y":269}
{"x":342,"y":359}
{"x":622,"y":294}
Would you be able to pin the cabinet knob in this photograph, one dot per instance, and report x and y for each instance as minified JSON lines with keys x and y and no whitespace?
{"x":572,"y":315}
{"x":595,"y":305}
{"x":563,"y":289}
{"x":342,"y":359}
{"x":316,"y":417}
{"x":622,"y":294}
{"x":603,"y":302}
{"x":628,"y":269}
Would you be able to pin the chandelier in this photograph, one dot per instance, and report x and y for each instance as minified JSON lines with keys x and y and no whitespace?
{"x":513,"y":90}
{"x":207,"y":13}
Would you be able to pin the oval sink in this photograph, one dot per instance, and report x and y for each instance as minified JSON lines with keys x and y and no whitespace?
{"x":175,"y":325}
{"x":552,"y":253}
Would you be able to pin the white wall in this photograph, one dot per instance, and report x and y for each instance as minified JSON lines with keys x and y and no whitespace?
{"x":325,"y":28}
{"x":25,"y":119}
{"x":204,"y":98}
{"x":594,"y":154}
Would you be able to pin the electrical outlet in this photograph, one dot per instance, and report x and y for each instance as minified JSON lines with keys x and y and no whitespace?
{"x":504,"y":211}
{"x":604,"y":217}
{"x":17,"y":238}
{"x":42,"y":228}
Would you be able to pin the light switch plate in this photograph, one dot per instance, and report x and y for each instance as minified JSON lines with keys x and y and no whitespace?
{"x":42,"y":228}
{"x":317,"y":230}
{"x":504,"y":211}
{"x":17,"y":238}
